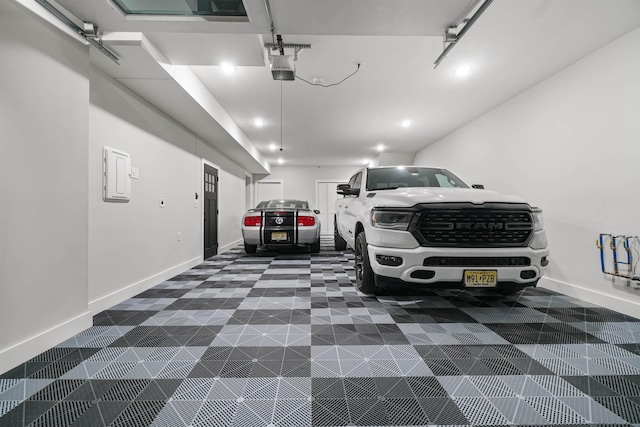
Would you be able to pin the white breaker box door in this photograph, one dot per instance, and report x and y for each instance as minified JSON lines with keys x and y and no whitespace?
{"x":116,"y":177}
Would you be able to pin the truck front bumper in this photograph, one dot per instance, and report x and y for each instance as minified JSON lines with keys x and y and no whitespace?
{"x":412,"y":268}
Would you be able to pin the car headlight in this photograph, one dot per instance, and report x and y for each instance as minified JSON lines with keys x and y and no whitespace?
{"x":538,"y":220}
{"x":391,"y":220}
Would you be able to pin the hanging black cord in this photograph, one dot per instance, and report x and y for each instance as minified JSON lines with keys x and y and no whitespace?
{"x":332,"y":84}
{"x":281,"y":117}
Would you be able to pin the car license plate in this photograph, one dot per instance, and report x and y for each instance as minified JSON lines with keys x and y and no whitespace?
{"x":278,"y":236}
{"x":480,"y":279}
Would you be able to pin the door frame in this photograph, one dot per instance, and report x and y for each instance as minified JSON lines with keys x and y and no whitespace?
{"x":201,"y":198}
{"x":317,"y":189}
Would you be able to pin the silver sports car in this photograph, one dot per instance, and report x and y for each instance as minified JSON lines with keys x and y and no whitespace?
{"x":281,"y":223}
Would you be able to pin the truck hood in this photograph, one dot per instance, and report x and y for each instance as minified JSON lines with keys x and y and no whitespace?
{"x":407,"y":197}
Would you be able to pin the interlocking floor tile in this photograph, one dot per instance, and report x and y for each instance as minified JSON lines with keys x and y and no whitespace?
{"x":286,"y":339}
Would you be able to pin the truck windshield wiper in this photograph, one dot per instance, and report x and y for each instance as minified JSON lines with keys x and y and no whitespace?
{"x":386,"y":188}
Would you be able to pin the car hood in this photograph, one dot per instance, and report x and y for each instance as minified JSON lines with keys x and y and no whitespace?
{"x":407,"y":197}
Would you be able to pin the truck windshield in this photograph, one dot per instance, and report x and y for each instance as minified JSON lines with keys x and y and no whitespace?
{"x":409,"y":176}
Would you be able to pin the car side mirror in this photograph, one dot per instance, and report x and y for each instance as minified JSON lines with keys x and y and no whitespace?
{"x":316,"y":211}
{"x":478,"y":186}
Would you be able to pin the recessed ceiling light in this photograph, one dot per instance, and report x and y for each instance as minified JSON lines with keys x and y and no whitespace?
{"x":406,"y":123}
{"x":273,"y":147}
{"x":462,"y":71}
{"x":258,"y":122}
{"x":228,"y":68}
{"x":365,"y":161}
{"x":280,"y":161}
{"x":380,"y":147}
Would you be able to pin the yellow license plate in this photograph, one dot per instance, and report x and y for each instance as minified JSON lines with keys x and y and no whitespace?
{"x":480,"y":279}
{"x":278,"y":235}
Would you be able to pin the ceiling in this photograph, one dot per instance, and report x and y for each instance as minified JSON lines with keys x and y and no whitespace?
{"x":175,"y":64}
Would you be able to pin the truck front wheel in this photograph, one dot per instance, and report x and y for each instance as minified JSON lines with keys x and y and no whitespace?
{"x":365,"y":277}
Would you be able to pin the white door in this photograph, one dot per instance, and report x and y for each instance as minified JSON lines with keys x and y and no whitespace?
{"x":268,"y":190}
{"x":327,"y":196}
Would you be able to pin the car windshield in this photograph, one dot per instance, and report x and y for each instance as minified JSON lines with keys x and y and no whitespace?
{"x":283,"y":204}
{"x":409,"y":176}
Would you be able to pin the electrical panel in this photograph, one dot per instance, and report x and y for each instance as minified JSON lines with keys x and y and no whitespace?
{"x":116,"y":175}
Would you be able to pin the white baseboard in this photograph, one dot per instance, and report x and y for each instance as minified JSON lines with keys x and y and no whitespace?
{"x":231,"y":245}
{"x":114,"y":298}
{"x":31,"y":347}
{"x":624,"y":306}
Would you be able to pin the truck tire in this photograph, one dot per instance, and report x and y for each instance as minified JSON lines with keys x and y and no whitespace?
{"x":365,"y":277}
{"x":250,"y":249}
{"x":338,"y":242}
{"x":315,"y":247}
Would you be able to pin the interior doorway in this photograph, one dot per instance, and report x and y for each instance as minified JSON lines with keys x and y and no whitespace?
{"x":210,"y":211}
{"x":326,"y":197}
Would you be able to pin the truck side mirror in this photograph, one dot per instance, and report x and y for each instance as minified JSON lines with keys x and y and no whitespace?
{"x":478,"y":186}
{"x":343,"y":189}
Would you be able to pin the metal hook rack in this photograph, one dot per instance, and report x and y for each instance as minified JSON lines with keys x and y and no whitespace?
{"x":614,"y":244}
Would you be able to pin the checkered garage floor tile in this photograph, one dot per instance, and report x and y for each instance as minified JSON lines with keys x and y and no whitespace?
{"x":285,"y":339}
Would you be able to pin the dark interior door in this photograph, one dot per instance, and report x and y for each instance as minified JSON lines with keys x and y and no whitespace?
{"x":210,"y":211}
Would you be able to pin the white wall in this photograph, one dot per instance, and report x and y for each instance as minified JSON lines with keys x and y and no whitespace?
{"x":135,"y":245}
{"x":43,"y":186}
{"x":571,"y":145}
{"x":65,"y":254}
{"x":299,"y":182}
{"x":393,"y":159}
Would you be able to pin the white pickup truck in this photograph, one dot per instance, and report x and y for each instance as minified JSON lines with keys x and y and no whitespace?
{"x":425,"y":228}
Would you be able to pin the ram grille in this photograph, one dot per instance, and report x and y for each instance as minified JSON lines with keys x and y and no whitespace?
{"x":474,"y":227}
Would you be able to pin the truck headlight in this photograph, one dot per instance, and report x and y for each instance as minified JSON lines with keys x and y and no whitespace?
{"x":538,"y":220}
{"x":391,"y":220}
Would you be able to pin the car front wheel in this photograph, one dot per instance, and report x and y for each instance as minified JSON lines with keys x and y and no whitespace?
{"x":365,"y":277}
